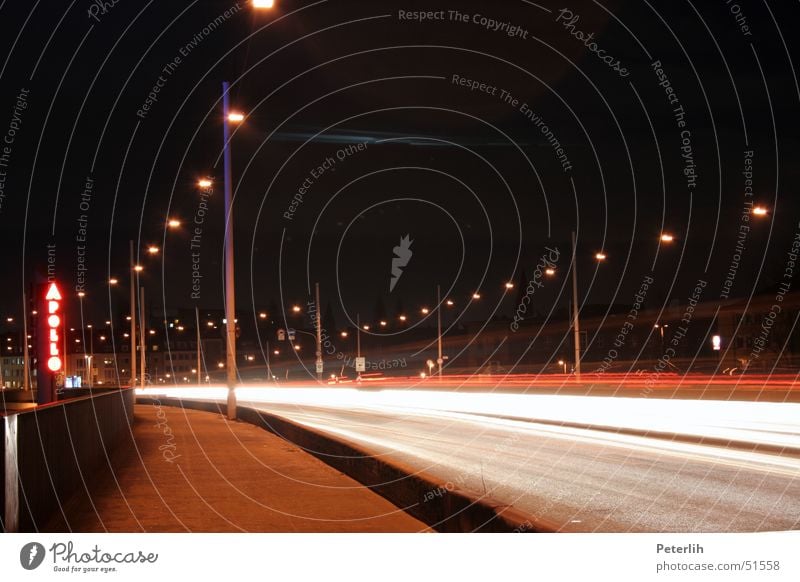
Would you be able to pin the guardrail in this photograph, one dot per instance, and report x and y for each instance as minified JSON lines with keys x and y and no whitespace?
{"x":49,"y":453}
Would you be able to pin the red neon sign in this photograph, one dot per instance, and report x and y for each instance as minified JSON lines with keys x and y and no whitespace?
{"x":53,"y":299}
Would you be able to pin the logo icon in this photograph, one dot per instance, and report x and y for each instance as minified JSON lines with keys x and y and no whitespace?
{"x":31,"y":555}
{"x":403,"y":254}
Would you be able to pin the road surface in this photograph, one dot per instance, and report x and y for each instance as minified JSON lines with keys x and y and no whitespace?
{"x":575,"y":479}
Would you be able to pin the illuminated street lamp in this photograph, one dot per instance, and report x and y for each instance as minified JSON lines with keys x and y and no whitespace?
{"x":152,"y":250}
{"x":204,"y":183}
{"x":425,"y":311}
{"x":402,"y":318}
{"x":667,"y":238}
{"x":113,"y":281}
{"x":760,"y":211}
{"x":263,"y":3}
{"x":509,"y":285}
{"x":476,"y":296}
{"x":235,"y":117}
{"x":173,"y":223}
{"x":601,"y":256}
{"x":550,"y":272}
{"x":343,"y":334}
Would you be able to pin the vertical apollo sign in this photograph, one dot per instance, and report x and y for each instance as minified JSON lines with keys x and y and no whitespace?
{"x":50,"y":360}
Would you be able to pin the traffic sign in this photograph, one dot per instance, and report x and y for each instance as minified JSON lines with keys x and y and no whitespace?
{"x":361,"y":364}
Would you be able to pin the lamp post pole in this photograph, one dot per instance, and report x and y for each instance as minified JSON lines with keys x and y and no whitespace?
{"x":142,"y":346}
{"x":26,"y":370}
{"x":134,"y":279}
{"x":439,"y":359}
{"x":230,"y":287}
{"x":319,"y":334}
{"x":197,"y":325}
{"x":575,"y":319}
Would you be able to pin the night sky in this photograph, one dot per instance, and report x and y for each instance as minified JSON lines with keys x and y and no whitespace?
{"x":443,"y":130}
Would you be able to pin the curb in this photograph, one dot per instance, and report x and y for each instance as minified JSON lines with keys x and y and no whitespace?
{"x":439,"y":505}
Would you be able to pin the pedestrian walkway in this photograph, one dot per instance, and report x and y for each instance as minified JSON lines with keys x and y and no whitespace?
{"x":192,"y":471}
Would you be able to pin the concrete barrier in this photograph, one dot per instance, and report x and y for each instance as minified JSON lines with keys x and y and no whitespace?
{"x":50,"y":452}
{"x":440,"y":505}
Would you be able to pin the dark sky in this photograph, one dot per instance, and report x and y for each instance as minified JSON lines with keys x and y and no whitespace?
{"x":469,"y":176}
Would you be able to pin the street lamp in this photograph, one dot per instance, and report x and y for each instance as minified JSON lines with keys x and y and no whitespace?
{"x":667,"y":238}
{"x":204,"y":183}
{"x":173,"y":223}
{"x":263,"y":3}
{"x":760,"y":211}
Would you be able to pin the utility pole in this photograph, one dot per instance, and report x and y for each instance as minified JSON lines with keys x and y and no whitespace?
{"x":197,"y":325}
{"x":319,"y":334}
{"x":575,"y":320}
{"x":439,"y":359}
{"x":134,"y":280}
{"x":26,"y":366}
{"x":230,"y":286}
{"x":142,"y":345}
{"x":358,"y":343}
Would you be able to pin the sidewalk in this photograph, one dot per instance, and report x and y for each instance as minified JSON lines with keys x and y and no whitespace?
{"x":193,"y":471}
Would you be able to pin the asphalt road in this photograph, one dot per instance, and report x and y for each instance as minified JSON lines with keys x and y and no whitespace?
{"x":577,"y":479}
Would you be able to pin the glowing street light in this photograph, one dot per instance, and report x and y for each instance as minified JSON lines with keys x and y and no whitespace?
{"x":425,"y":311}
{"x":138,"y":268}
{"x":383,"y":323}
{"x":263,"y":3}
{"x":235,"y":117}
{"x":173,"y":223}
{"x":550,"y":272}
{"x":204,"y":183}
{"x":450,"y":303}
{"x":476,"y":296}
{"x":262,"y":315}
{"x":667,"y":238}
{"x":760,"y":211}
{"x":601,"y":256}
{"x":402,"y":318}
{"x":509,"y":285}
{"x":113,"y":281}
{"x":343,"y":334}
{"x":296,"y":308}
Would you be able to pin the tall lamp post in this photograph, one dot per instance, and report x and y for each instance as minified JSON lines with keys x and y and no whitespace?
{"x":575,"y":319}
{"x":230,"y":286}
{"x":439,"y":359}
{"x":134,"y":284}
